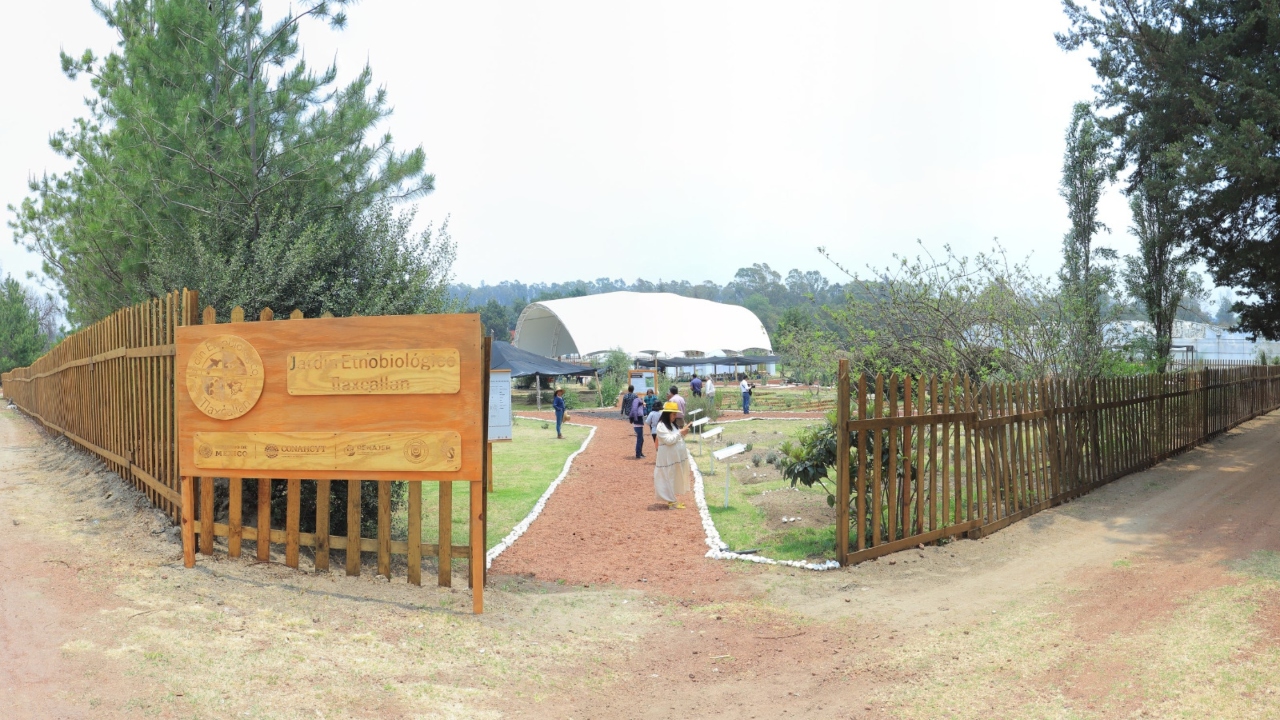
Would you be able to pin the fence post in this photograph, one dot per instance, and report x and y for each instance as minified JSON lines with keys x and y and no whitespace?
{"x":1204,"y":402}
{"x":842,"y":465}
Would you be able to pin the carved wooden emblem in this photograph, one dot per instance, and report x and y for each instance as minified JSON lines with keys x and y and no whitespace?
{"x":224,"y":377}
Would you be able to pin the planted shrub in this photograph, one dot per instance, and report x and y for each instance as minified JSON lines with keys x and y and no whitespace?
{"x":756,"y":459}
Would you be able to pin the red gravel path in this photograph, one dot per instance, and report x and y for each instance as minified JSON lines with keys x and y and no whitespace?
{"x":599,"y":527}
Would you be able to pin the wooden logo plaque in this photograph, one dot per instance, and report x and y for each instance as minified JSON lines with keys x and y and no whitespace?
{"x":333,"y":398}
{"x":224,"y":377}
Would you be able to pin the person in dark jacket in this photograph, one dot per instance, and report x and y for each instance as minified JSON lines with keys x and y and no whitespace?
{"x":625,"y":408}
{"x":637,"y":423}
{"x":558,"y":404}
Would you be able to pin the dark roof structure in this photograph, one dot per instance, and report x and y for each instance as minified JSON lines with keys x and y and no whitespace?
{"x":522,"y":363}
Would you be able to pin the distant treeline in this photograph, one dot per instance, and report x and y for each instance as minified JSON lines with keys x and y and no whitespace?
{"x":759,"y":288}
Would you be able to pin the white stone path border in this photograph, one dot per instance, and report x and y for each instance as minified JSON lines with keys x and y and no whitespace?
{"x":524,"y":524}
{"x":718,"y":551}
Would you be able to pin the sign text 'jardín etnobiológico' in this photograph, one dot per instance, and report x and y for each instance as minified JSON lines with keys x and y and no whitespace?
{"x":419,"y":371}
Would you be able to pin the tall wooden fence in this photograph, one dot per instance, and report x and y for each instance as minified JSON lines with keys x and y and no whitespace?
{"x":110,"y":389}
{"x":927,"y":458}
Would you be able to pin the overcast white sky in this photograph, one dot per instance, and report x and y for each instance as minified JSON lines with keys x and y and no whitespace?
{"x":568,"y":139}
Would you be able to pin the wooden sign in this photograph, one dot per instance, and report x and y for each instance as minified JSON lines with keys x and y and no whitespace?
{"x":643,"y":380}
{"x":355,"y":452}
{"x":373,"y":398}
{"x":224,"y":377}
{"x":423,"y":371}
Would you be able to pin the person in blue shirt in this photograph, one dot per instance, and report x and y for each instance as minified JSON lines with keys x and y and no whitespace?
{"x":696,"y":385}
{"x":558,"y":404}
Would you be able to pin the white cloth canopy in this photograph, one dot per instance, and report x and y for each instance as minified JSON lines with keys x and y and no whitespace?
{"x":639,"y":324}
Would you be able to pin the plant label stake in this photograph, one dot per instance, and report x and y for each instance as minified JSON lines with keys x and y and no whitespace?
{"x":724,"y":454}
{"x":707,"y":435}
{"x":694,"y":426}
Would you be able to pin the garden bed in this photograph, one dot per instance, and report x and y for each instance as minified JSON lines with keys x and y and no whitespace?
{"x":764,"y":512}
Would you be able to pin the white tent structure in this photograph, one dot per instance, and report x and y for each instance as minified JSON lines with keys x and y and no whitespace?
{"x":639,"y":324}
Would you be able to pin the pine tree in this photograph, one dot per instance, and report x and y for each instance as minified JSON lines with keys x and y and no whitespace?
{"x":214,"y":156}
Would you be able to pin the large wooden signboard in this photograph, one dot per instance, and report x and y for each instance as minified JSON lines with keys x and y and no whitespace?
{"x":375,"y":398}
{"x":364,"y":398}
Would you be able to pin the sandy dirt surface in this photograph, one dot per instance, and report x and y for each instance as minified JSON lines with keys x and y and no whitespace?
{"x":1155,"y":596}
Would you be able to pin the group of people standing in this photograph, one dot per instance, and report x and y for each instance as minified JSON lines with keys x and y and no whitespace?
{"x":664,"y":423}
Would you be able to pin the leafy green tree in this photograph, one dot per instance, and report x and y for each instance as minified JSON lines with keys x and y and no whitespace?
{"x":22,"y":340}
{"x":1086,"y":275}
{"x":1195,"y":86}
{"x":214,"y":156}
{"x":984,"y":317}
{"x":809,"y":353}
{"x":496,"y":319}
{"x":1159,"y":276}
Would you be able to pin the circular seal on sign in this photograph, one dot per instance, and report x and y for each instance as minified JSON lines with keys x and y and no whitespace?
{"x":271,"y":451}
{"x":350,"y":450}
{"x":224,"y":377}
{"x":205,"y":451}
{"x":415,"y":451}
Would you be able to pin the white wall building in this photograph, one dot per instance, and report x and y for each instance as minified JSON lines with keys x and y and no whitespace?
{"x":1196,"y":341}
{"x":640,"y":324}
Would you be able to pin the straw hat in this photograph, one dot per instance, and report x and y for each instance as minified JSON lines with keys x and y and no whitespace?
{"x":670,"y":407}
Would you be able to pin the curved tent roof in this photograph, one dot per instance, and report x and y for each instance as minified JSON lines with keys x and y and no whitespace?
{"x":638,"y":323}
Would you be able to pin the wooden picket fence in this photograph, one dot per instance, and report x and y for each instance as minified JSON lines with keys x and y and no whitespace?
{"x":929,"y":458}
{"x":110,"y":389}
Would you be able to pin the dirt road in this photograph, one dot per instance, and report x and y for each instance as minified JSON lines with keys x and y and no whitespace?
{"x":1156,"y":596}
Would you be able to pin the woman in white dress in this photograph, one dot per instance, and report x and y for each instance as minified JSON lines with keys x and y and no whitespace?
{"x":671,"y":470}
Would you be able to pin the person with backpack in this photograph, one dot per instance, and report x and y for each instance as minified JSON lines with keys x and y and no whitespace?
{"x":627,"y":400}
{"x":637,"y":418}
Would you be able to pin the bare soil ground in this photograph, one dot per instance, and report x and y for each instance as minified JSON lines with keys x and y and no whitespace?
{"x":1155,"y":596}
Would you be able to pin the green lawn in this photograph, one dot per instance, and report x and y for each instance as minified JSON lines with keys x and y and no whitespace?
{"x":523,"y":468}
{"x":744,"y":524}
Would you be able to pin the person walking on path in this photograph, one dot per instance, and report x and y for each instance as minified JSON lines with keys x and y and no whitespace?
{"x":673,"y":396}
{"x":709,"y":387}
{"x":651,"y":423}
{"x":695,"y":385}
{"x":745,"y":387}
{"x":558,"y":404}
{"x":625,"y":409}
{"x":637,"y":423}
{"x":651,"y":401}
{"x":671,"y":469}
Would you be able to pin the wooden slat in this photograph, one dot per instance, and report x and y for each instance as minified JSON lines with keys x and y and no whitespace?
{"x":353,"y":526}
{"x":264,"y":518}
{"x":292,"y":519}
{"x":384,"y":529}
{"x":415,"y":532}
{"x":445,"y":536}
{"x":842,"y":463}
{"x":322,"y":525}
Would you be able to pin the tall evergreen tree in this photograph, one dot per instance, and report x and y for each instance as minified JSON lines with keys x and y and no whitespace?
{"x":1086,"y":274}
{"x":1196,"y":86}
{"x":1159,"y":276}
{"x":214,"y":156}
